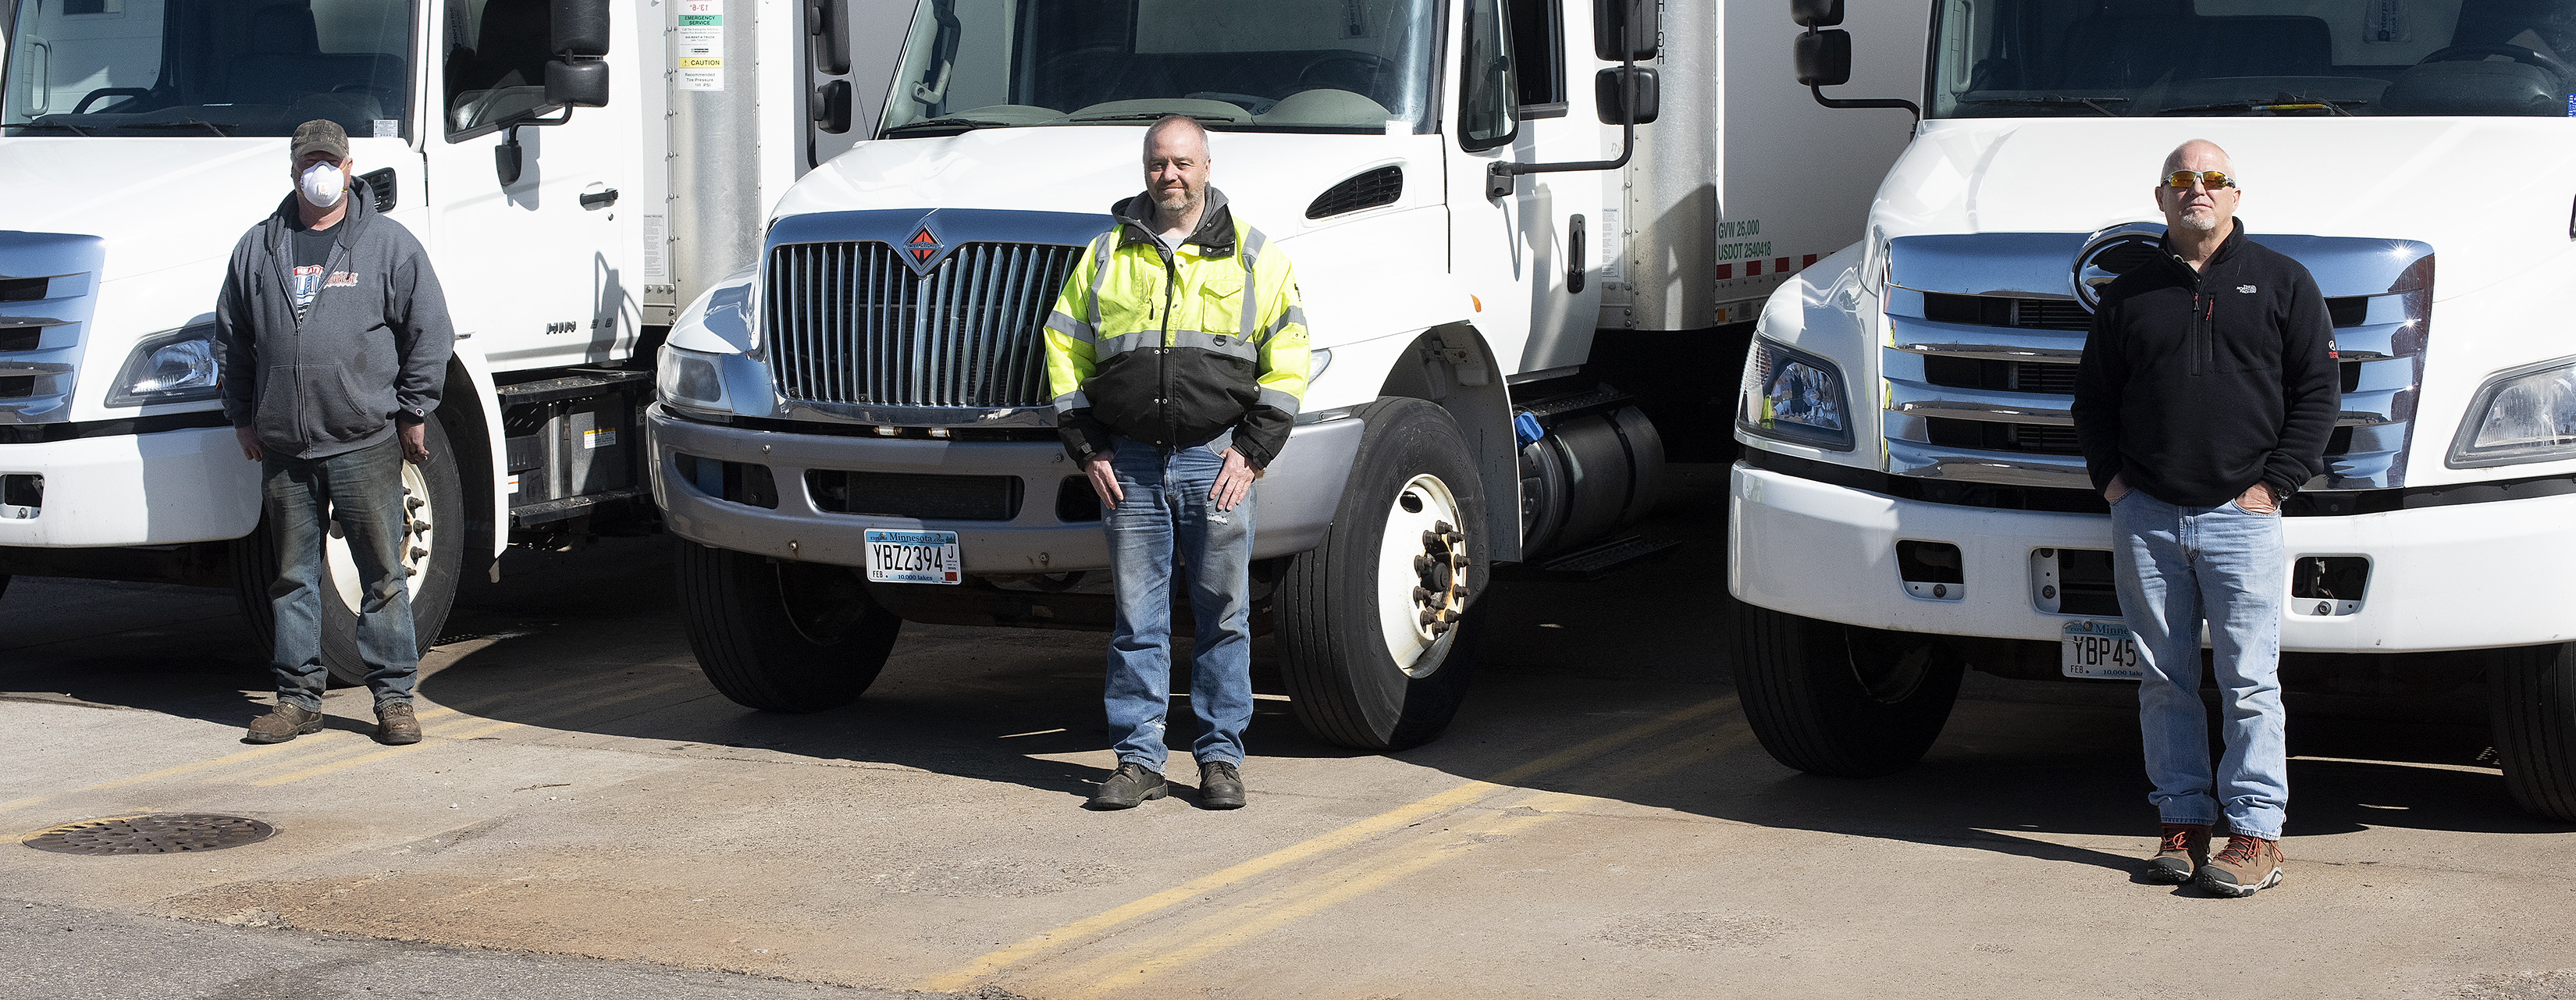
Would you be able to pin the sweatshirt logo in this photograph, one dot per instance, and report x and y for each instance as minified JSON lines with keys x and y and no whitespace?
{"x":341,"y":279}
{"x":2247,"y":289}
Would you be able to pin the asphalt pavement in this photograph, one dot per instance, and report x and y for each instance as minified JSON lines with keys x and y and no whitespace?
{"x":588,"y":815}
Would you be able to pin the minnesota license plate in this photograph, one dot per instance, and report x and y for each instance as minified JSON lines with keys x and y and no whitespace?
{"x":2099,"y":649}
{"x":911,"y":556}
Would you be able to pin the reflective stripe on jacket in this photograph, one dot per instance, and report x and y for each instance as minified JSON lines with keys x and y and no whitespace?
{"x":1169,"y":345}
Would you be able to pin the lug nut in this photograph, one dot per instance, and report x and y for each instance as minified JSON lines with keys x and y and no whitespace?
{"x":1421,"y":596}
{"x":1439,"y":628}
{"x":419,"y":553}
{"x":1443,"y":527}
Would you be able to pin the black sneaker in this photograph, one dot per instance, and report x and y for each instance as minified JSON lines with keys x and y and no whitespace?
{"x":1220,"y":786}
{"x":1130,"y":784}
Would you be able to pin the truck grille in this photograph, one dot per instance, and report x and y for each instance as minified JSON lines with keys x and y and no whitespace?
{"x":1982,"y":350}
{"x":851,"y":323}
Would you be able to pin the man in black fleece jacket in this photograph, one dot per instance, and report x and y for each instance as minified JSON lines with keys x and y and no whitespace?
{"x":2208,"y":388}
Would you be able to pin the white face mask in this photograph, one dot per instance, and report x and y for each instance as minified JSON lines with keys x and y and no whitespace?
{"x":322,"y":184}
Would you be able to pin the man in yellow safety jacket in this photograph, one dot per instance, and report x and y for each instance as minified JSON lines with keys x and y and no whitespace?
{"x":1177,"y":357}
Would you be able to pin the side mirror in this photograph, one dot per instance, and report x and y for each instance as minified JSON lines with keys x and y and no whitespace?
{"x":1640,"y":87}
{"x":1824,"y":58}
{"x":1816,"y":13}
{"x":581,"y":28}
{"x":1624,"y":29}
{"x":577,"y":84}
{"x":830,"y":107}
{"x":825,"y":22}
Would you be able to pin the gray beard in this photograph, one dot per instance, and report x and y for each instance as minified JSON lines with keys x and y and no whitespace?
{"x":1173,"y":212}
{"x":2205,"y":221}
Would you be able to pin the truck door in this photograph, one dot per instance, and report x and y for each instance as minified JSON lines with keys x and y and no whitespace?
{"x":533,"y":266}
{"x":1520,"y":255}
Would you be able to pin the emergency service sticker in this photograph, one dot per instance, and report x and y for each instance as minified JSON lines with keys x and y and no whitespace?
{"x":912,"y":556}
{"x":2099,"y":650}
{"x":701,"y":38}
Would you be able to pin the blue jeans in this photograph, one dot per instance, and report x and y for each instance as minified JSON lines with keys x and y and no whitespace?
{"x":2176,"y":567}
{"x":1163,"y":511}
{"x":362,"y":492}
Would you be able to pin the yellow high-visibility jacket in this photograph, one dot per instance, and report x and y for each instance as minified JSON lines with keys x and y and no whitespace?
{"x":1170,"y":345}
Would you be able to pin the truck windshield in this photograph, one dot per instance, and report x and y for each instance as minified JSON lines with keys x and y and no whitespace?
{"x":206,"y":67}
{"x":1244,"y":65}
{"x":2137,"y":58}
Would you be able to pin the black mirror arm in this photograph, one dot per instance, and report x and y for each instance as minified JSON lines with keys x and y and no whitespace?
{"x":1866,"y":102}
{"x":1499,"y":174}
{"x":505,"y":157}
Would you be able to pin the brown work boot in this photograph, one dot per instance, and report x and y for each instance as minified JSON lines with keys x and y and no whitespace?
{"x":395,"y":725}
{"x":286,"y":722}
{"x":2245,"y":866}
{"x":2184,"y":850}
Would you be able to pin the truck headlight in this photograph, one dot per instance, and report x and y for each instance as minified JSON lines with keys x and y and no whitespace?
{"x":1793,"y":396}
{"x":179,"y":366}
{"x":2524,"y":415}
{"x":693,"y":381}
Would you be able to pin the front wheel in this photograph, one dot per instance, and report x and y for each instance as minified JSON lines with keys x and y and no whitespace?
{"x":1842,"y":700}
{"x":432,"y":558}
{"x":782,"y":636}
{"x":1370,"y":620}
{"x":2531,"y":698}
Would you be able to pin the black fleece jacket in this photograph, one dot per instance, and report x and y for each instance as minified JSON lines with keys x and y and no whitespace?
{"x":2196,"y":385}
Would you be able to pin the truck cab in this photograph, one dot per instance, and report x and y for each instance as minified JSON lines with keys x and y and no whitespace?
{"x":139,"y":141}
{"x":1469,"y":192}
{"x":1911,"y":501}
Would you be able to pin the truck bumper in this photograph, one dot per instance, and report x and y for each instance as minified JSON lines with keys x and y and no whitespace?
{"x":1297,"y":496}
{"x":2468,"y":576}
{"x":164,"y":488}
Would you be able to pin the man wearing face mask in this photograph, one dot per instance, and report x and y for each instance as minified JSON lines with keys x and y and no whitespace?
{"x":335,"y":343}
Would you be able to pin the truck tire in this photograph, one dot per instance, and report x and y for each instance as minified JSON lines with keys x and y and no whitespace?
{"x":1841,"y":700}
{"x":433,"y":555}
{"x":2531,"y":697}
{"x":1362,"y":669}
{"x":779,"y":636}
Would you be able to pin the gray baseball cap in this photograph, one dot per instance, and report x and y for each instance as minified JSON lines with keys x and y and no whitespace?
{"x":321,"y":134}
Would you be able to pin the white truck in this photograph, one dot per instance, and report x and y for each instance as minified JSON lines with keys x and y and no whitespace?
{"x":855,"y":433}
{"x":575,"y":168}
{"x":1910,"y":498}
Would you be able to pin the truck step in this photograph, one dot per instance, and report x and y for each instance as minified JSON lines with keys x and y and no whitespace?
{"x":1592,"y":562}
{"x":582,"y":384}
{"x":544,"y":511}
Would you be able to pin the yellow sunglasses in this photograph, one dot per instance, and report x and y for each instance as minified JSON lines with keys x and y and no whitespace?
{"x":2213,"y":179}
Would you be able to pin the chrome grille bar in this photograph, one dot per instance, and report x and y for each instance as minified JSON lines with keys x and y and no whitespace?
{"x":851,"y":323}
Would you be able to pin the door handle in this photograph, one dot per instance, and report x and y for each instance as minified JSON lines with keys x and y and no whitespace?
{"x":1574,"y":269}
{"x":600,"y":199}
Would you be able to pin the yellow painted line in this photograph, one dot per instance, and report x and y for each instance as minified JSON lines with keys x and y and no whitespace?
{"x":966,"y":976}
{"x":318,"y":770}
{"x":1125,"y":967}
{"x":1118,"y":972}
{"x":301,"y":743}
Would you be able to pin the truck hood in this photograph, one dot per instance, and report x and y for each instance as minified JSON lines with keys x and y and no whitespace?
{"x":157,"y":202}
{"x":2488,"y":194}
{"x":1269,"y":177}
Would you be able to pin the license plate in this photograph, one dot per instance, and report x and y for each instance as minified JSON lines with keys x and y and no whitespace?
{"x":2100,"y":650}
{"x":912,"y":556}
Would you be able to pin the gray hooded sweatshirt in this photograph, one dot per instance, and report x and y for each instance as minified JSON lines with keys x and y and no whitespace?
{"x":373,"y":346}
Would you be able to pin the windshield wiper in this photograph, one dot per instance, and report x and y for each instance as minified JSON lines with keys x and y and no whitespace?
{"x":73,"y":129}
{"x":2090,"y":102}
{"x":2285,"y":102}
{"x":1148,"y":116}
{"x":948,"y":123}
{"x":181,"y":123}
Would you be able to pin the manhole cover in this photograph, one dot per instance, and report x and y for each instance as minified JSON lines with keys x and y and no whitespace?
{"x":170,"y":833}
